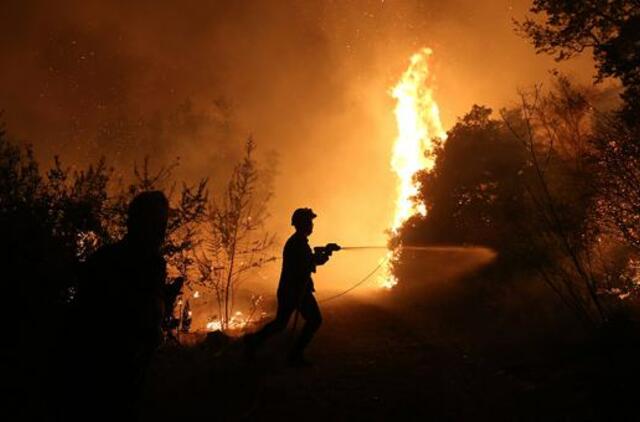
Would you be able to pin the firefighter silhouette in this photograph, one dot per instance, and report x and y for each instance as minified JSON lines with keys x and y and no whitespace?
{"x":295,"y":289}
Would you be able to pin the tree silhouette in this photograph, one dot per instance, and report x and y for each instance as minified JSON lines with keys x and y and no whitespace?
{"x":236,"y":241}
{"x":610,"y":28}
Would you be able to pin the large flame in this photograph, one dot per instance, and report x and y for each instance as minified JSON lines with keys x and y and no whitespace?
{"x":418,"y":120}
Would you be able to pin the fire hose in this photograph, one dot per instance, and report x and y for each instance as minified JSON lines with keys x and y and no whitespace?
{"x":330,"y":248}
{"x":360,"y":282}
{"x":333,"y":247}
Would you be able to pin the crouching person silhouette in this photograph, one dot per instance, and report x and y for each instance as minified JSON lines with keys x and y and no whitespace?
{"x":295,"y":290}
{"x":121,"y":300}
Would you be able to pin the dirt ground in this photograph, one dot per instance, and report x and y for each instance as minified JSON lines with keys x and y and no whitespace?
{"x":445,"y":344}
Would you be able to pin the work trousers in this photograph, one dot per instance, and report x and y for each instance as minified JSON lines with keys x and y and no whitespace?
{"x":309,"y":311}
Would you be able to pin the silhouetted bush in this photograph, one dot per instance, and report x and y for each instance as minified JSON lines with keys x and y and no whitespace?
{"x":51,"y":221}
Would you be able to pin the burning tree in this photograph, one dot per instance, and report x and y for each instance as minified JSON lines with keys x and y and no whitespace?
{"x":527,"y":186}
{"x":236,"y":241}
{"x":473,"y":195}
{"x":420,"y":134}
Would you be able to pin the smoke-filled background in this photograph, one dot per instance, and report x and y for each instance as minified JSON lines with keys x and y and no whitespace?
{"x":309,"y":79}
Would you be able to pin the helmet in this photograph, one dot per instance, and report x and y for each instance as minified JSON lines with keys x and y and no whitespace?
{"x":302,"y":215}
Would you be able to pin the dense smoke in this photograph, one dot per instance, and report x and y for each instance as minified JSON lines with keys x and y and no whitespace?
{"x":310,"y":80}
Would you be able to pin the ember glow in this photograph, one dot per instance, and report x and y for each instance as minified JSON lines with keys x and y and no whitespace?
{"x":237,"y":322}
{"x":418,"y":121}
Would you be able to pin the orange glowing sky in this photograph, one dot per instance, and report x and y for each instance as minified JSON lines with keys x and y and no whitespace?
{"x":310,"y":80}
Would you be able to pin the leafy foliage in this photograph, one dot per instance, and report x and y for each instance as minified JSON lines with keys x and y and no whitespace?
{"x":473,"y":195}
{"x":611,"y":28}
{"x":51,"y":222}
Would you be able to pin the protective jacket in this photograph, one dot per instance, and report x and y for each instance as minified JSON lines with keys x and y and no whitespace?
{"x":298,"y":263}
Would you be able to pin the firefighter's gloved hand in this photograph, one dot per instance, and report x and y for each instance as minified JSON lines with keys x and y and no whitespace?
{"x":320,"y":255}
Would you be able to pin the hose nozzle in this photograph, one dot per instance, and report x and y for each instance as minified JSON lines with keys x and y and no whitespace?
{"x":328,"y":249}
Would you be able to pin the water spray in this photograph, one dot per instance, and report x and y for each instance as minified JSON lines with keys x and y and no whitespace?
{"x":328,"y":249}
{"x":333,"y":247}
